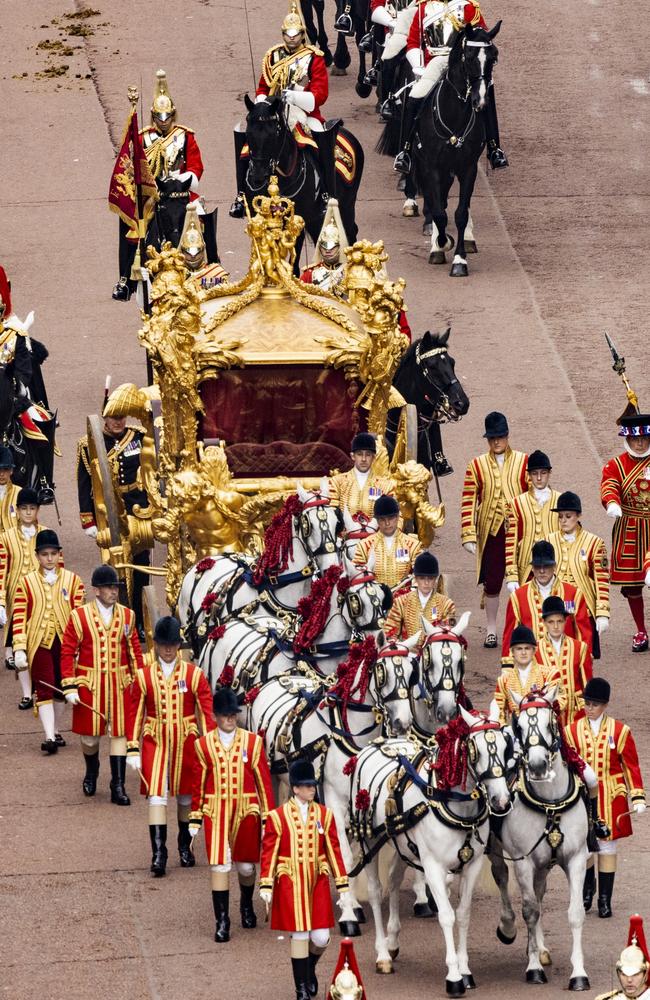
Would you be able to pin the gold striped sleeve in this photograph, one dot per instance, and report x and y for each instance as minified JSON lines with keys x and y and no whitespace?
{"x":468,"y":505}
{"x":333,"y":849}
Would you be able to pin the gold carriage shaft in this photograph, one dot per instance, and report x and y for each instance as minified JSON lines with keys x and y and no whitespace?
{"x":258,"y":385}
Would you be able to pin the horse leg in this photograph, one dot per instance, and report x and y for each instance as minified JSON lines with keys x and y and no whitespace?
{"x":441,"y":242}
{"x":541,"y":875}
{"x":470,"y":239}
{"x":436,"y":878}
{"x":575,"y":873}
{"x":506,"y":928}
{"x":530,"y":912}
{"x":342,"y":57}
{"x":383,"y":961}
{"x":421,"y":906}
{"x":323,"y":41}
{"x":468,"y":879}
{"x":459,"y":267}
{"x":395,"y":879}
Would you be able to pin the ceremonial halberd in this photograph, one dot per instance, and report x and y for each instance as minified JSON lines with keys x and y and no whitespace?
{"x":259,"y":385}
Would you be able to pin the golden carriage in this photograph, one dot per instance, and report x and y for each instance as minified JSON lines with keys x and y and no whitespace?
{"x":257,"y":385}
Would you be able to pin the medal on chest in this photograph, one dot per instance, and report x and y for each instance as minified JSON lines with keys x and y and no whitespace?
{"x":402,"y":555}
{"x":182,"y":685}
{"x":319,"y":826}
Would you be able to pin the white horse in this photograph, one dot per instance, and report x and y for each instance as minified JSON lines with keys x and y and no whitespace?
{"x":548,"y":825}
{"x":259,"y":649}
{"x":222,"y":585}
{"x":397,"y":797}
{"x":301,"y":718}
{"x":355,"y":532}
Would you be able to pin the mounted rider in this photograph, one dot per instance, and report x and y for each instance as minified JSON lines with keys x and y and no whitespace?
{"x":432,"y":34}
{"x":396,"y":16}
{"x":295,"y":71}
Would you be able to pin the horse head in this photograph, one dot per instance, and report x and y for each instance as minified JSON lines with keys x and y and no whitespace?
{"x":356,"y":529}
{"x":443,"y":667}
{"x":489,"y":754}
{"x":436,"y":371}
{"x":536,"y":727}
{"x":363,"y":600}
{"x":471,"y":60}
{"x":395,"y":673}
{"x":319,"y":525}
{"x":266,"y":134}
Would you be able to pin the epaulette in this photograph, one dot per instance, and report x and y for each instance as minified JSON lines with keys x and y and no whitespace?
{"x":82,"y":453}
{"x":608,"y":996}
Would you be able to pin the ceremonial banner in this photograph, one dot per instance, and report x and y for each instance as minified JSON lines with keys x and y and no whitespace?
{"x":133,"y":192}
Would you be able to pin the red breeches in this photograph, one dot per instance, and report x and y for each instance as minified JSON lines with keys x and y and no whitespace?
{"x":46,"y":666}
{"x":493,"y":563}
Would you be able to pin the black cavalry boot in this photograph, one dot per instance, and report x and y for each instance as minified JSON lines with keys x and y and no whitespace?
{"x":89,"y":784}
{"x":598,"y":826}
{"x":388,"y":68}
{"x":238,"y":207}
{"x":185,"y":852}
{"x":220,"y":906}
{"x":248,"y":918}
{"x":301,"y":978}
{"x":402,"y":162}
{"x":326,"y":142}
{"x":589,"y":888}
{"x":312,"y":983}
{"x":496,"y":157}
{"x":605,"y":890}
{"x":158,"y":834}
{"x":118,"y":774}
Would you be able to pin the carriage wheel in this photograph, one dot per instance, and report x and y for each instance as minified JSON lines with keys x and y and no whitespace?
{"x":107,"y":507}
{"x":411,"y":426}
{"x":151,"y":612}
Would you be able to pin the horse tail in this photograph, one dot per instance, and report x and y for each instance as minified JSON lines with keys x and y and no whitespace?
{"x":350,"y":162}
{"x":388,"y":143}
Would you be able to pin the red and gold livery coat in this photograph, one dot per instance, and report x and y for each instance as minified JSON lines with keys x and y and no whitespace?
{"x":297,"y":862}
{"x":42,"y":610}
{"x":169,"y":714}
{"x":528,"y":522}
{"x":583,"y":563}
{"x":613,"y":755}
{"x":344,"y":491}
{"x":539,"y":677}
{"x":177,"y":150}
{"x":100,"y":662}
{"x":303,"y":69}
{"x":487,"y":490}
{"x":573,"y":663}
{"x":525,"y":608}
{"x":405,"y":617}
{"x":394,"y":564}
{"x":17,"y":559}
{"x":232,"y":792}
{"x":8,"y":509}
{"x":626,"y":481}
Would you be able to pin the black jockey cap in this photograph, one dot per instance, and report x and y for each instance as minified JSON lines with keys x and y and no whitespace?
{"x":496,"y":425}
{"x":301,"y":772}
{"x":543,"y":554}
{"x":538,"y":460}
{"x":426,"y":564}
{"x":225,"y":702}
{"x":27,"y":497}
{"x":168,"y":631}
{"x":597,"y":689}
{"x":554,"y":606}
{"x":6,"y":458}
{"x":522,"y":636}
{"x":635,"y":425}
{"x":104,"y":576}
{"x":47,"y":539}
{"x":385,"y":506}
{"x":364,"y":442}
{"x":568,"y":502}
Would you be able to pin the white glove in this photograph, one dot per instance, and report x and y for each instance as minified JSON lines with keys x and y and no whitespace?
{"x":639,"y":808}
{"x":647,"y":579}
{"x":72,"y":697}
{"x":470,"y":547}
{"x":266,"y":895}
{"x":414,"y":57}
{"x":418,"y":71}
{"x":602,"y":624}
{"x":3,"y":616}
{"x":381,"y":16}
{"x":511,"y":586}
{"x":613,"y":510}
{"x":91,"y":531}
{"x":302,"y":99}
{"x":194,"y":829}
{"x":134,"y":761}
{"x":20,"y":659}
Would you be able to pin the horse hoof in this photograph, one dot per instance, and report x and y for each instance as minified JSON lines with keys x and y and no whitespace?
{"x":459,"y":268}
{"x":468,"y":982}
{"x":437,"y":257}
{"x":363,"y":89}
{"x":359,"y":914}
{"x":427,"y":228}
{"x":423,"y":911}
{"x":410,"y":209}
{"x":341,"y":71}
{"x":384,"y":967}
{"x":455,"y":987}
{"x":470,"y":246}
{"x":579,"y":984}
{"x":393,"y":952}
{"x":545,"y":957}
{"x":327,"y":55}
{"x":536,"y":976}
{"x":504,"y":939}
{"x":349,"y":928}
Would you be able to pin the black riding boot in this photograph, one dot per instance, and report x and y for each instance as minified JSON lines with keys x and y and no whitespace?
{"x":496,"y":157}
{"x":312,"y":984}
{"x":598,"y":829}
{"x":126,"y":251}
{"x":89,"y":784}
{"x":411,"y":114}
{"x":589,"y":888}
{"x":389,"y":69}
{"x":248,"y":918}
{"x":158,"y":834}
{"x":605,"y":890}
{"x":238,"y":208}
{"x":185,"y":845}
{"x":301,"y":978}
{"x":326,"y":142}
{"x":220,"y":907}
{"x":118,"y":774}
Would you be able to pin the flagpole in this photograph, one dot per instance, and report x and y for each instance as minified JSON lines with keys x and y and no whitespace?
{"x":139,"y":209}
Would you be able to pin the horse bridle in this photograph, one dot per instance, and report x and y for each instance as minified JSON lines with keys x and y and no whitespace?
{"x":352,"y":603}
{"x":443,"y":407}
{"x":274,"y":162}
{"x":451,"y":139}
{"x":534,"y":736}
{"x":398,"y":654}
{"x":446,"y":681}
{"x":328,"y":540}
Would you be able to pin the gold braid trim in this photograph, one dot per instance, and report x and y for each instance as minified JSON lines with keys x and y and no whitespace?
{"x":82,"y":453}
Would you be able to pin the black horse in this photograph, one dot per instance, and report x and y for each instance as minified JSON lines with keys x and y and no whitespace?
{"x":426,"y":377}
{"x":316,"y":30}
{"x":353,"y":21}
{"x":34,"y":458}
{"x":273,"y":149}
{"x":452,"y":137}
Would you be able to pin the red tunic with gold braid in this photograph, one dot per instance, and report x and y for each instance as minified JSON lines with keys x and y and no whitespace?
{"x":304,"y":69}
{"x":573,"y":663}
{"x":178,"y":147}
{"x":583,"y":563}
{"x":626,"y":481}
{"x":464,"y":13}
{"x":232,"y":791}
{"x":169,"y":715}
{"x":525,"y":608}
{"x":99,"y":662}
{"x":297,"y":860}
{"x":613,"y":756}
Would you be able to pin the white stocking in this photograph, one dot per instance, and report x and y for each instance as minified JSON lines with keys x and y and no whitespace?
{"x":46,"y":715}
